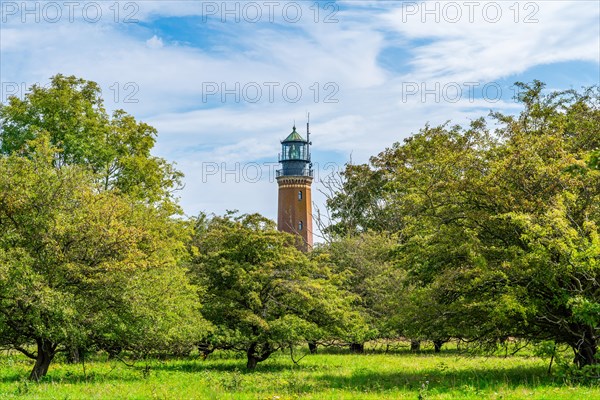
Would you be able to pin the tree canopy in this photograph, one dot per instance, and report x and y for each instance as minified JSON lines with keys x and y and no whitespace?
{"x":90,"y":254}
{"x":81,"y":267}
{"x":260,"y":292}
{"x":498,"y":230}
{"x":115,"y":148}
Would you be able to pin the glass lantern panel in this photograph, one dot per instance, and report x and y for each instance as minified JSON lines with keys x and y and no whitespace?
{"x":294,"y":151}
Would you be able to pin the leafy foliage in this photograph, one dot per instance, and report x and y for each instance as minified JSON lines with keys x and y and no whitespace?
{"x":367,"y":261}
{"x":260,"y":292}
{"x":498,"y":230}
{"x":115,"y":148}
{"x":80,"y":266}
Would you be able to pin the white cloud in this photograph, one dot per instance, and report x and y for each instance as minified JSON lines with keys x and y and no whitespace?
{"x":154,"y":42}
{"x":539,"y":33}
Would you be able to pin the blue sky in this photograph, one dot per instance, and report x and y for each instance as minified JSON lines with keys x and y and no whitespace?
{"x":369,"y":72}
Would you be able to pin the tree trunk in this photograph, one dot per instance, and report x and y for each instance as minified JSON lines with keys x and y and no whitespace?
{"x":74,"y":355}
{"x":252,"y":361}
{"x":45,"y":353}
{"x":357,"y":348}
{"x":585,"y":351}
{"x":256,"y":354}
{"x":312,"y":347}
{"x":437,"y":345}
{"x":415,"y":345}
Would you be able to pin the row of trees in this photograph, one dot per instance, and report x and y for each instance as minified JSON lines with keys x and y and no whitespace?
{"x":95,"y":254}
{"x":454,"y":233}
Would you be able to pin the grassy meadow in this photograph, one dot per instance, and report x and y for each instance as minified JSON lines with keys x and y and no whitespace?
{"x":332,"y":374}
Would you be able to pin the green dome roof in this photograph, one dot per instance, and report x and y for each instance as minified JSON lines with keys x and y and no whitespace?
{"x":294,"y":137}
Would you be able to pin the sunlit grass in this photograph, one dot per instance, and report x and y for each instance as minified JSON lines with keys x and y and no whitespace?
{"x":329,"y":375}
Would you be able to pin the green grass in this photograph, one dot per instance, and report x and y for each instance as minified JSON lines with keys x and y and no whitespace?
{"x":403,"y":375}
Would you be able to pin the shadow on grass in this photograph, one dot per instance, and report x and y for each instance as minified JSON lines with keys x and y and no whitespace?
{"x":195,"y":366}
{"x":76,"y":375}
{"x":441,"y":380}
{"x":136,"y":372}
{"x":76,"y":378}
{"x":311,"y":377}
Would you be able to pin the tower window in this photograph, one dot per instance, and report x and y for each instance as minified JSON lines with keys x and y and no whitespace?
{"x":300,"y":195}
{"x":300,"y":225}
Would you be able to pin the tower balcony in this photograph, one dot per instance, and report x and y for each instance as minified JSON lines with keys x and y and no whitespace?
{"x":294,"y":172}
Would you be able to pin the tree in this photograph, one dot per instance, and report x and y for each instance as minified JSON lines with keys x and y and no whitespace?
{"x":357,"y":202}
{"x":79,"y":264}
{"x":550,"y":203}
{"x":260,"y":292}
{"x":368,"y":262}
{"x":498,"y":231}
{"x":115,"y":148}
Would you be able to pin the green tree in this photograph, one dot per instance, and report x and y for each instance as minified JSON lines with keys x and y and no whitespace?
{"x":357,"y":202}
{"x":260,"y":292}
{"x":367,"y":260}
{"x":498,"y":230}
{"x":79,"y":264}
{"x":116,"y":148}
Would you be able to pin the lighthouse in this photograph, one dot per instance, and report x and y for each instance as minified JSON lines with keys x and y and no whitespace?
{"x":294,"y":179}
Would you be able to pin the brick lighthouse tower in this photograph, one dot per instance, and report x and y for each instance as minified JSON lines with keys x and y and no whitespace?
{"x":294,"y":179}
